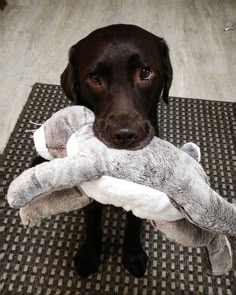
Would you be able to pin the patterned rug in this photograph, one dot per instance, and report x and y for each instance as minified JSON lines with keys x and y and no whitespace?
{"x":39,"y":260}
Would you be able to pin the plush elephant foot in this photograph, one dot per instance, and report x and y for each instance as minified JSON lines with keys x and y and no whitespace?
{"x":220,"y":255}
{"x":136,"y":261}
{"x":192,"y":150}
{"x":232,"y":241}
{"x":87,"y":260}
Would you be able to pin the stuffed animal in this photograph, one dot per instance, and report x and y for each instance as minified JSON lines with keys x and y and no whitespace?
{"x":159,"y":182}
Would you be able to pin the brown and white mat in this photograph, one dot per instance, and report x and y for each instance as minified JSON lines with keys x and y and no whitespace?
{"x":39,"y":260}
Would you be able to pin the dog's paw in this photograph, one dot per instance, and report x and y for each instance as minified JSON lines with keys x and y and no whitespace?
{"x":87,"y":261}
{"x":135,"y":263}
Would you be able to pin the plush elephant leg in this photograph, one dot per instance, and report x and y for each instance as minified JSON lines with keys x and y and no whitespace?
{"x":53,"y":203}
{"x":187,"y":234}
{"x":220,"y":255}
{"x":232,"y":241}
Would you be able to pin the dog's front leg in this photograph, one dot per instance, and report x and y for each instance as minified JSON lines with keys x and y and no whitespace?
{"x":87,"y":260}
{"x":134,"y":257}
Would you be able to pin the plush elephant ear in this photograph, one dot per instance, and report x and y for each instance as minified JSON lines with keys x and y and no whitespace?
{"x":51,"y":138}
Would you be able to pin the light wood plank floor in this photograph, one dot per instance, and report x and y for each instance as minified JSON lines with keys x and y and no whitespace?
{"x":35,"y":37}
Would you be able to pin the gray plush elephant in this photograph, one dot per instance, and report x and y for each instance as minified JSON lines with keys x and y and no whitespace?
{"x":160,"y":182}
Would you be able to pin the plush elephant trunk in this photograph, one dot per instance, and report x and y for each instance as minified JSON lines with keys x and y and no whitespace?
{"x":53,"y":176}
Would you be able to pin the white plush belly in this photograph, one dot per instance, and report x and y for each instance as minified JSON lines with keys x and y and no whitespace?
{"x":144,"y":201}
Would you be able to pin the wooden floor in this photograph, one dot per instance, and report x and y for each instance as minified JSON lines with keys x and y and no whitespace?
{"x":36,"y":35}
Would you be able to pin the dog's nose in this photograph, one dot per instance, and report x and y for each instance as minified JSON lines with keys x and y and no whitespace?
{"x":125,"y":136}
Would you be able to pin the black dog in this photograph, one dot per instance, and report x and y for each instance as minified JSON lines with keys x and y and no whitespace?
{"x":119,"y":72}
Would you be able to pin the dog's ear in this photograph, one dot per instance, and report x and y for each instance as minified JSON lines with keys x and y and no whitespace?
{"x":69,"y":78}
{"x":66,"y":82}
{"x":168,"y":72}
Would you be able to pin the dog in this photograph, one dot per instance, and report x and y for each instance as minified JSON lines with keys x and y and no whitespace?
{"x":119,"y":72}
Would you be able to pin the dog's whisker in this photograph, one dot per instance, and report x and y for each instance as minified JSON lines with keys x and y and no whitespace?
{"x":230,"y":28}
{"x":34,"y":123}
{"x":30,"y":130}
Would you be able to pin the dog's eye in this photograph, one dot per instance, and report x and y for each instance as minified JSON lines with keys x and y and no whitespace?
{"x":145,"y":73}
{"x":94,"y":78}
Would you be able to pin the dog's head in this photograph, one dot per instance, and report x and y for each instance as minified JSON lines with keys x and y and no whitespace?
{"x":119,"y":72}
